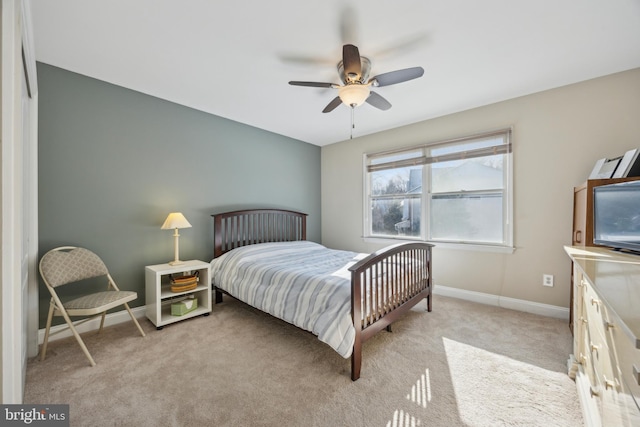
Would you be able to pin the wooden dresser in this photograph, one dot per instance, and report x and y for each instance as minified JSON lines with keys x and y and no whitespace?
{"x":606,"y":335}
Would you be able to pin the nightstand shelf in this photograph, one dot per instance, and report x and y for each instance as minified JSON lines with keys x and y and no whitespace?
{"x":159,"y":296}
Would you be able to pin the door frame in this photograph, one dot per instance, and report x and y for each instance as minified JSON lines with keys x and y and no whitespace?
{"x":17,"y":301}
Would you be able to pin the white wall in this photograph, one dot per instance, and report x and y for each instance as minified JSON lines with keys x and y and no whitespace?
{"x":557,"y":136}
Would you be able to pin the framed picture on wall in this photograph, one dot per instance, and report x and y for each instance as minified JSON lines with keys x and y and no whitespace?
{"x":604,"y":168}
{"x":629,"y":165}
{"x":596,"y":168}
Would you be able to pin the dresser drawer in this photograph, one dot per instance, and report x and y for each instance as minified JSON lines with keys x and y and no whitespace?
{"x":578,"y":293}
{"x":626,"y":354}
{"x":586,"y":360}
{"x":580,"y":331}
{"x":594,"y":309}
{"x":596,"y":320}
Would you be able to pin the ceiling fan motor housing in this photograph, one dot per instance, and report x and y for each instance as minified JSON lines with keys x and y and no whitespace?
{"x":364,"y":73}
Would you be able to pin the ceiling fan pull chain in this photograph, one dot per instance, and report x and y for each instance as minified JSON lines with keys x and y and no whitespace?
{"x":353,"y":122}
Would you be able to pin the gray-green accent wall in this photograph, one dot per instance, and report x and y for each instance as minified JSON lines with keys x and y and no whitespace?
{"x":113,"y":163}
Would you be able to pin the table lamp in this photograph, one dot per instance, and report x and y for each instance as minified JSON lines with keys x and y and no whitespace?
{"x":174,"y":221}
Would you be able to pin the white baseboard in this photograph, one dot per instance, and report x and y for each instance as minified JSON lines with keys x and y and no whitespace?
{"x":505,"y":302}
{"x":62,"y":331}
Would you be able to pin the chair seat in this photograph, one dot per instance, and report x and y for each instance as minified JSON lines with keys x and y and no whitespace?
{"x":99,"y":301}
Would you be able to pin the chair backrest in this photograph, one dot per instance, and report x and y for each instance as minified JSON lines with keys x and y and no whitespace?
{"x":68,"y":264}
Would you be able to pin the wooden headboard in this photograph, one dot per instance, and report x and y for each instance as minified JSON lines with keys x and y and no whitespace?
{"x":248,"y":227}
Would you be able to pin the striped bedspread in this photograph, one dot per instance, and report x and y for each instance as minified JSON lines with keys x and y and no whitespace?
{"x":303,"y":283}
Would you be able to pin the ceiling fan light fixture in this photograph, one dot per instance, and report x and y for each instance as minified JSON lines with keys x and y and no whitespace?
{"x":354,"y":95}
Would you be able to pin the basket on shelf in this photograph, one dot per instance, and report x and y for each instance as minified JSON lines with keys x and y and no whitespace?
{"x":184,"y":283}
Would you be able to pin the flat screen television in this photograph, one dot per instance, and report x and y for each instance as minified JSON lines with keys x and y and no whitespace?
{"x":616,"y":216}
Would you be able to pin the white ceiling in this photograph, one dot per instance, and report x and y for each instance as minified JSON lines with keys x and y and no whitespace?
{"x":234,"y":58}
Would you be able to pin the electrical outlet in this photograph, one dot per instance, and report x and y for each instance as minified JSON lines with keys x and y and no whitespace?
{"x":547,"y":280}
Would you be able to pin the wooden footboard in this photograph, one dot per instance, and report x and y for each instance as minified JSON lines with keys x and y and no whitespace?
{"x":385,"y":285}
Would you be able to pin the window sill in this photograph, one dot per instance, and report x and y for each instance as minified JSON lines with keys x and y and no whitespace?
{"x":446,"y":245}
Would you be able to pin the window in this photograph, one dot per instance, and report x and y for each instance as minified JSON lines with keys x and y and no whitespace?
{"x":456,"y":191}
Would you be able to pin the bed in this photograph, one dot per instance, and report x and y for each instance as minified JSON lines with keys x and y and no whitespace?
{"x":262,"y":258}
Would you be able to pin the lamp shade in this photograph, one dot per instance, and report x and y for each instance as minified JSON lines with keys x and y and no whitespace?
{"x":175,"y":220}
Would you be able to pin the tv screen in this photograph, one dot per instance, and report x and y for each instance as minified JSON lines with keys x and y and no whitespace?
{"x":616,"y":216}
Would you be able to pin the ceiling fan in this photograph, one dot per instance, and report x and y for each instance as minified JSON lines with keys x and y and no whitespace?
{"x":356,"y":88}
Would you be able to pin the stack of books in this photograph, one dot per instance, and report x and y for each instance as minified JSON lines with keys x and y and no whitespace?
{"x":184,"y":283}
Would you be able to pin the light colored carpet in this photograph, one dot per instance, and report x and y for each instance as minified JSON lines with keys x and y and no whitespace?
{"x":464,"y":364}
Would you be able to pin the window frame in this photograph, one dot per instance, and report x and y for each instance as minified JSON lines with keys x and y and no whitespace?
{"x":426,"y":196}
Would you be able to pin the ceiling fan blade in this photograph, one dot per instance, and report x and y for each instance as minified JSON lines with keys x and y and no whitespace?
{"x":313,"y":84}
{"x":332,"y":105}
{"x":348,"y":25}
{"x":306,"y":60}
{"x":378,"y":101}
{"x":397,"y":76}
{"x":351,"y":62}
{"x":402,"y":45}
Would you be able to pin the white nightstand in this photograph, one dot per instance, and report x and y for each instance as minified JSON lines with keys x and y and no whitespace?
{"x":159,"y":296}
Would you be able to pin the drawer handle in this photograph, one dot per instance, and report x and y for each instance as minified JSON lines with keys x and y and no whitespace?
{"x":583,"y":359}
{"x":594,"y":348}
{"x":595,"y":301}
{"x":582,"y":283}
{"x":593,"y":392}
{"x":609,"y":325}
{"x":584,"y":320}
{"x":608,"y":384}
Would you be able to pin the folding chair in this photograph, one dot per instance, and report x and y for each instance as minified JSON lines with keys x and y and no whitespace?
{"x":69,"y":264}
